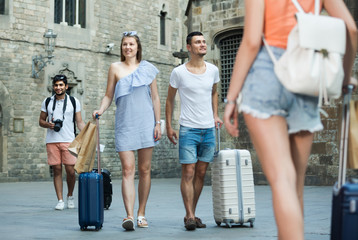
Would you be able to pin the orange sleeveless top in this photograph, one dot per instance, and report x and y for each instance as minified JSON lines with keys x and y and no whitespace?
{"x":280,"y":19}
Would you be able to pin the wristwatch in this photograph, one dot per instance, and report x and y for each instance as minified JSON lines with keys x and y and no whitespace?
{"x":229,"y":101}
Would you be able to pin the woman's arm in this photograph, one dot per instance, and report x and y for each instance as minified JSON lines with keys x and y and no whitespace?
{"x":337,"y":8}
{"x":111,"y":84}
{"x":250,"y":45}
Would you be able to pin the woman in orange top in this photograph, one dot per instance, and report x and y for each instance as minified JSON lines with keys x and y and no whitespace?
{"x":281,"y":123}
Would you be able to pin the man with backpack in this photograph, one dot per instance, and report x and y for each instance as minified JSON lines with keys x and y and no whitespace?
{"x":60,"y":114}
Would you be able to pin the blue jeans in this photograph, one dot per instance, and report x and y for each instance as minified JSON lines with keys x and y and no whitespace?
{"x":196,"y":144}
{"x":263,"y":96}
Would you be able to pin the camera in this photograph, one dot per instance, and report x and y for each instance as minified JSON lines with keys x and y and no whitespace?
{"x":58,"y":125}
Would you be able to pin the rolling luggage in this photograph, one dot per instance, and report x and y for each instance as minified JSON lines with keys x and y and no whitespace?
{"x":107,"y":187}
{"x":90,"y":195}
{"x":344,"y":221}
{"x":233,"y":187}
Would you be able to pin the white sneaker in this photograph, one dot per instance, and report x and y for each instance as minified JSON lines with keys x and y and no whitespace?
{"x":70,"y":202}
{"x":60,"y":205}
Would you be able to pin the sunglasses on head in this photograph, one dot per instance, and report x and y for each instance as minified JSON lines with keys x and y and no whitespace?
{"x":130,"y":33}
{"x":60,"y":77}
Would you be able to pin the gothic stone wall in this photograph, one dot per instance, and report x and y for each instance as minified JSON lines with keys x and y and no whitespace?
{"x":80,"y":53}
{"x":218,"y":17}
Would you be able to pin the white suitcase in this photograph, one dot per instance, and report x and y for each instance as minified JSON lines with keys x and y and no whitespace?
{"x":233,"y":187}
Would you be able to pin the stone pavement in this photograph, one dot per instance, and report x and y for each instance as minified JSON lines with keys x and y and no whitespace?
{"x":27,"y":212}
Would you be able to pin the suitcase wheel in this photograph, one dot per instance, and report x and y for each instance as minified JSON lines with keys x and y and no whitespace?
{"x":83,"y":228}
{"x":228,"y":224}
{"x":98,"y":227}
{"x":218,"y":223}
{"x":251,"y":224}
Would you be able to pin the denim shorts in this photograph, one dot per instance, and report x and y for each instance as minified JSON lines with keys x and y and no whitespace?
{"x":196,"y":144}
{"x":263,"y":95}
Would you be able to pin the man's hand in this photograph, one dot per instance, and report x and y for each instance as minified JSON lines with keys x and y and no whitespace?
{"x":172,"y":135}
{"x":218,"y":122}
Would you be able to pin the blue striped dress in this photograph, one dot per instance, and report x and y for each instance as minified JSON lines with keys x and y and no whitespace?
{"x":135,"y":120}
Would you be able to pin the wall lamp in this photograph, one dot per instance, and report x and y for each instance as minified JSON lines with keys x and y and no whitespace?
{"x":39,"y":62}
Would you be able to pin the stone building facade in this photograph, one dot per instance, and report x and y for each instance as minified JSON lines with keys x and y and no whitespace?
{"x":81,"y":53}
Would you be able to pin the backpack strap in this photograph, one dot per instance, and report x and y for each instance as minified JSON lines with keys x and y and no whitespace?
{"x":73,"y":101}
{"x":47,"y":102}
{"x":46,"y":105}
{"x":300,"y":9}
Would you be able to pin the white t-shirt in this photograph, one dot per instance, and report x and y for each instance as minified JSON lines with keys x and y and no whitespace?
{"x":195,"y":92}
{"x":66,"y":133}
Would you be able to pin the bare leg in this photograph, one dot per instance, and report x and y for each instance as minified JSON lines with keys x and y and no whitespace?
{"x":70,"y":178}
{"x":144,"y":166}
{"x":128,"y":189}
{"x":199,"y":177}
{"x":187,"y":188}
{"x":271,"y":141}
{"x":57,"y":180}
{"x":301,"y":144}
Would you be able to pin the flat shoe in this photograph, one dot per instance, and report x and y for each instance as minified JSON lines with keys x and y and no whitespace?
{"x":190,"y":224}
{"x":128,"y":224}
{"x":199,"y":223}
{"x":142,"y":222}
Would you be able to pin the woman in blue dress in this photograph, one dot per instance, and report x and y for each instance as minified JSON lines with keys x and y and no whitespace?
{"x":132,"y":83}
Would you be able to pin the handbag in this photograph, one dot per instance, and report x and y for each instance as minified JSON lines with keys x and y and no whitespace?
{"x":84,"y":148}
{"x":312,"y":63}
{"x":353,"y":136}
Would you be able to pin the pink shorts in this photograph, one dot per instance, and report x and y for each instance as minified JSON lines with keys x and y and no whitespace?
{"x":57,"y":154}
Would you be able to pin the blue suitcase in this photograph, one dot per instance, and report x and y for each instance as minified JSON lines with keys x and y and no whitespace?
{"x":344,"y":221}
{"x":90,"y":196}
{"x":90,"y":200}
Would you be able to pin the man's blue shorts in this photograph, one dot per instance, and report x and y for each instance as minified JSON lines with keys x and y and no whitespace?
{"x":196,"y":144}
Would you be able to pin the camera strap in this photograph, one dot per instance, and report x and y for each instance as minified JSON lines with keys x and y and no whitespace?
{"x":64,"y":107}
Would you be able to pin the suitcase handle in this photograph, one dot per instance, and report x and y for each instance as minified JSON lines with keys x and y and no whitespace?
{"x":98,"y":147}
{"x":343,"y":149}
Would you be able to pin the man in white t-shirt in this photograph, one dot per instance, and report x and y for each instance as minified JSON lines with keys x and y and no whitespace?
{"x":196,"y":81}
{"x":58,"y":114}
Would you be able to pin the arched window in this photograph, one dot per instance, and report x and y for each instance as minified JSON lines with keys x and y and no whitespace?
{"x":228,"y":49}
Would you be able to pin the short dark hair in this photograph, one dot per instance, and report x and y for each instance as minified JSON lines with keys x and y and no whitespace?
{"x":59,"y":78}
{"x":191,"y":35}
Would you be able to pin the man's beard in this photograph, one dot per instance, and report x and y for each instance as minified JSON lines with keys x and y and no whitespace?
{"x":60,"y":94}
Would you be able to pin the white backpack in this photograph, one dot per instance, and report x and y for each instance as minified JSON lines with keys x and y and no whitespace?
{"x":312,"y":63}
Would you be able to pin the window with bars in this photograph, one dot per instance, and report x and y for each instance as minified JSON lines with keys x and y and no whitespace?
{"x":70,"y":12}
{"x":228,"y":48}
